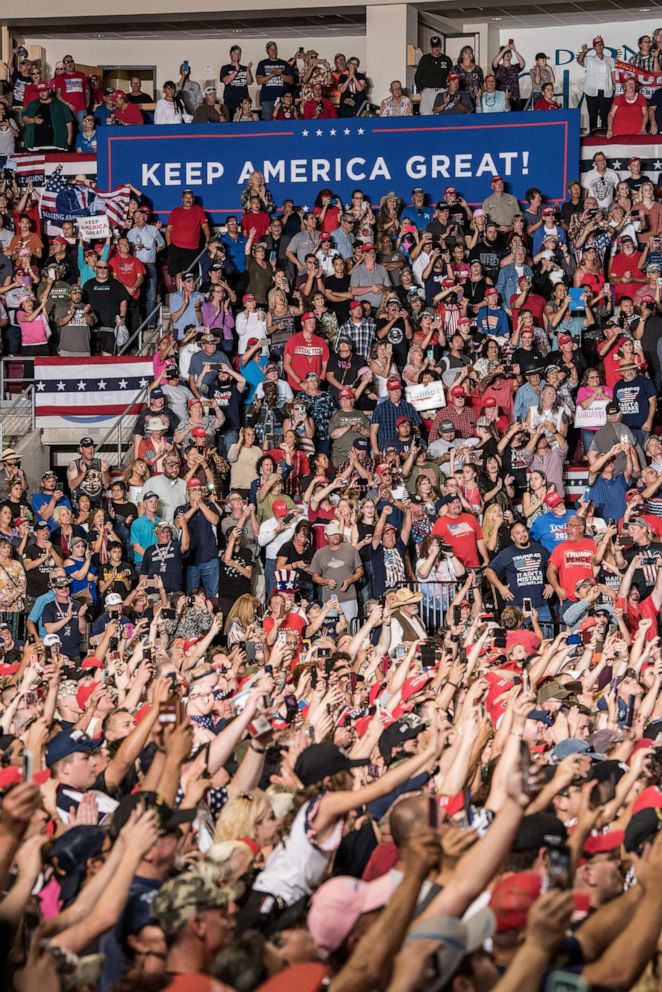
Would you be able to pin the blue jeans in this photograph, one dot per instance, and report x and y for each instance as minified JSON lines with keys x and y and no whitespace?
{"x":267,"y":110}
{"x":225,"y":440}
{"x":587,"y":439}
{"x":641,"y":436}
{"x":545,"y":620}
{"x":269,"y":580}
{"x":148,"y":294}
{"x":205,"y":574}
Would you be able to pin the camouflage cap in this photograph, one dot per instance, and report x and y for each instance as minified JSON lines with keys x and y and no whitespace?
{"x":67,"y":688}
{"x":185,"y":897}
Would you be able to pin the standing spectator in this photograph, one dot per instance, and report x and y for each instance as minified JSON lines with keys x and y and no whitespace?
{"x":197,"y":521}
{"x":599,"y":84}
{"x":637,"y":399}
{"x":73,"y":89}
{"x":48,"y":123}
{"x":170,"y":108}
{"x":352,"y":90}
{"x":383,"y":430}
{"x":492,"y":100}
{"x":210,"y":110}
{"x":369,"y":280}
{"x":471,"y":74}
{"x":186,"y":226}
{"x":507,"y":73}
{"x":462,"y":532}
{"x":397,"y":104}
{"x":628,"y":113}
{"x":305,"y":352}
{"x":188,"y":90}
{"x":541,"y":73}
{"x":136,"y":94}
{"x":501,"y":207}
{"x":109,"y":301}
{"x":431,"y":75}
{"x":273,"y":76}
{"x":236,"y":79}
{"x":147,"y":241}
{"x":337,"y":569}
{"x":600,"y":181}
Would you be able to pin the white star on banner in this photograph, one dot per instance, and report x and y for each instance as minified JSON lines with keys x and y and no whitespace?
{"x":82,"y":385}
{"x":60,"y":386}
{"x":617,"y":163}
{"x":332,"y":131}
{"x":143,"y":383}
{"x":101,"y":384}
{"x":41,"y":386}
{"x":305,"y":134}
{"x":657,"y":164}
{"x":346,"y":131}
{"x":305,"y":207}
{"x":361,"y":130}
{"x":122,"y":383}
{"x":318,"y":132}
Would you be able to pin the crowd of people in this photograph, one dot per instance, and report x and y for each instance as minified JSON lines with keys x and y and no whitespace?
{"x":65,"y":112}
{"x":335,"y":683}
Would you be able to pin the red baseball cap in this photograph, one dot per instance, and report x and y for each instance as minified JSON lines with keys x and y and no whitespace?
{"x":90,"y":662}
{"x":59,"y":240}
{"x":393,"y":383}
{"x":497,"y":179}
{"x":449,"y":189}
{"x":512,"y":898}
{"x":354,"y":304}
{"x":194,"y":483}
{"x":41,"y":87}
{"x":191,"y":642}
{"x":447,"y":283}
{"x":548,"y":211}
{"x":367,"y":247}
{"x":401,"y":420}
{"x":308,"y":315}
{"x":553,"y":499}
{"x":252,"y":342}
{"x":347,"y":394}
{"x":279,"y":508}
{"x":458,"y":391}
{"x":491,"y":291}
{"x":488,"y":403}
{"x":601,"y":843}
{"x":384,"y":467}
{"x":246,"y":297}
{"x":565,"y":339}
{"x":198,"y":432}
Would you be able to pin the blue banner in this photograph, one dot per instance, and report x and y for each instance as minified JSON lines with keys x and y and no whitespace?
{"x":298,"y":158}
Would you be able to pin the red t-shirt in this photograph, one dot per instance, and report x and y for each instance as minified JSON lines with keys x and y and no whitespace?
{"x":258,"y":222}
{"x":71,"y":86}
{"x":186,"y":225}
{"x":628,"y":117}
{"x":462,"y":533}
{"x":293,"y":621}
{"x":645,"y":610}
{"x":307,"y":356}
{"x":622,"y":263}
{"x":130,"y":114}
{"x":573,"y":560}
{"x":331,"y":220}
{"x":127,"y":270}
{"x":534,"y":303}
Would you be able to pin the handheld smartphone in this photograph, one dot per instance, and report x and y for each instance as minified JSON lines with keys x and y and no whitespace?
{"x":353,"y":681}
{"x":526,"y":678}
{"x":629,"y":715}
{"x":457,"y":615}
{"x":558,"y":872}
{"x":433,"y":813}
{"x":328,"y":665}
{"x":28,"y":766}
{"x":291,"y":706}
{"x":526,"y":605}
{"x":269,"y":669}
{"x":147,"y":654}
{"x":272,"y":257}
{"x":167,"y":713}
{"x":168,"y":614}
{"x":249,"y":648}
{"x":574,"y":639}
{"x":313,"y":678}
{"x":186,"y":65}
{"x":428,"y":657}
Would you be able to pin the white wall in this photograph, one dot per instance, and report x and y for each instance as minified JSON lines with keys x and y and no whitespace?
{"x":562,"y":45}
{"x":206,"y":57}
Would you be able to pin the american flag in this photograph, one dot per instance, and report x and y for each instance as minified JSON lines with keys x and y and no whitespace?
{"x":89,"y":392}
{"x":32,"y":164}
{"x":82,"y":201}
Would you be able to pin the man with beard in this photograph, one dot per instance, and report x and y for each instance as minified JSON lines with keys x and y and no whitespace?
{"x":518,"y":573}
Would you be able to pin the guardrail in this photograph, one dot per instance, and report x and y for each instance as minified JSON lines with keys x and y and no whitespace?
{"x":18,"y":419}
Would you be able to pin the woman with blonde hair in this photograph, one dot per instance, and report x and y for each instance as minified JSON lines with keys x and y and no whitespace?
{"x":381,"y":364}
{"x":136,"y":475}
{"x":247,"y":816}
{"x":246,"y":611}
{"x":256,"y":187}
{"x":495,"y":532}
{"x":225,"y":863}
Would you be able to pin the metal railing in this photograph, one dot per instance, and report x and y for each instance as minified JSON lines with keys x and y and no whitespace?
{"x":18,"y":419}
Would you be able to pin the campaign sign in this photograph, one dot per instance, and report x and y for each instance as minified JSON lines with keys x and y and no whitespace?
{"x":93,"y":228}
{"x":298,"y":158}
{"x":430,"y":397}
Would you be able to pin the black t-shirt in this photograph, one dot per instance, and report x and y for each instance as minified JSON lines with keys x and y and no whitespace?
{"x":528,"y":358}
{"x":489,"y":254}
{"x":105,"y":299}
{"x":228,"y":397}
{"x":236,"y":90}
{"x":345,"y":371}
{"x":339,"y":285}
{"x":44,"y":135}
{"x":644,"y":577}
{"x":232,"y":583}
{"x":166,"y":561}
{"x":397,"y":338}
{"x":124,"y":511}
{"x":123,"y":570}
{"x":37,"y":578}
{"x":652,"y":334}
{"x":290,"y":553}
{"x":148,"y":414}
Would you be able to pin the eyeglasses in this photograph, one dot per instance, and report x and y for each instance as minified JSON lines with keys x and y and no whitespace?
{"x":68,"y":61}
{"x":101,"y":267}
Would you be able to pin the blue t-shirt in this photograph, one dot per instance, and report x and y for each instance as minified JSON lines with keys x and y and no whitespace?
{"x":37,"y":611}
{"x":142,"y":532}
{"x":41,"y":499}
{"x":493,"y":320}
{"x":203,"y":545}
{"x":608,"y":495}
{"x":420,"y":217}
{"x":253,"y":373}
{"x":523,"y":571}
{"x":87,"y":145}
{"x":101,"y":114}
{"x":235,"y":249}
{"x":633,"y":398}
{"x":549,"y":530}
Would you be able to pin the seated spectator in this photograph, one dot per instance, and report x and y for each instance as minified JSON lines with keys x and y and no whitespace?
{"x":396,"y":104}
{"x":318,"y":106}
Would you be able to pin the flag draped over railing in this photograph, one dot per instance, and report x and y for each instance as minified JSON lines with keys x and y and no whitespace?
{"x":89,"y":391}
{"x":64,"y":199}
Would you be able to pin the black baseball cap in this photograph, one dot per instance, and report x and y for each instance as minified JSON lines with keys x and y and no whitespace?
{"x":397,"y":733}
{"x":643,"y":827}
{"x":319,"y":760}
{"x":87,"y":442}
{"x":539,"y":830}
{"x":435,"y":40}
{"x":168,"y":818}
